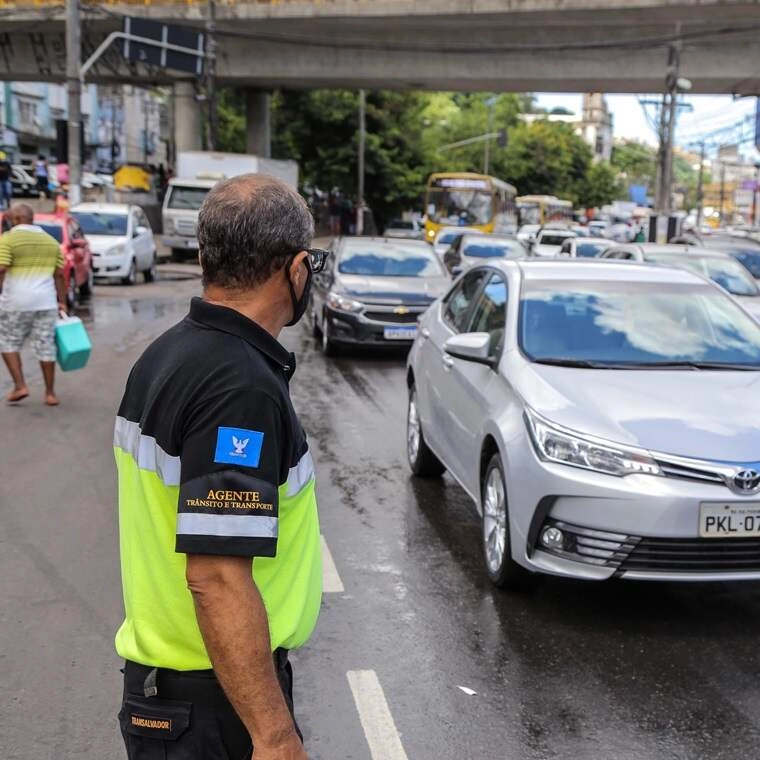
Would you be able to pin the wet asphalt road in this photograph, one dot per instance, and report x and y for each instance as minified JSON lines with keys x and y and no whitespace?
{"x":570,"y":670}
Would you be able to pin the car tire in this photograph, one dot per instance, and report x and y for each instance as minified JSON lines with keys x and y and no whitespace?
{"x":328,"y":344}
{"x":422,"y":461}
{"x":316,"y":330}
{"x":131,"y":278}
{"x":86,"y":288}
{"x":149,"y":275}
{"x":502,"y":570}
{"x":71,"y":291}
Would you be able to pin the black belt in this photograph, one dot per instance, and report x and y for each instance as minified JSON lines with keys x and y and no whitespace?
{"x":190,"y":685}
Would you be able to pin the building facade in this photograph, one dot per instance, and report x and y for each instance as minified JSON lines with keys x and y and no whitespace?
{"x":121,"y":124}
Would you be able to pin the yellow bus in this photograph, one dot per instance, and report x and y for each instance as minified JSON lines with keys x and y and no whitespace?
{"x":542,"y":209}
{"x":465,"y":199}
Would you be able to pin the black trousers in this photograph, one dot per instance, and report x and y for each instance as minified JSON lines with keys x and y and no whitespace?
{"x":185,"y":715}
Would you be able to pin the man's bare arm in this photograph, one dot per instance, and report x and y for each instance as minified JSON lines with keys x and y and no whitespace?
{"x":234,"y":625}
{"x":60,"y":286}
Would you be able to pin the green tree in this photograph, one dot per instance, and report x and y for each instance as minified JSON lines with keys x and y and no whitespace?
{"x":637,"y":162}
{"x":601,"y":185}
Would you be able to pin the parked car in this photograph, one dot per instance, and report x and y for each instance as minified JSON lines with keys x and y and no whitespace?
{"x":24,"y":185}
{"x":468,"y":250}
{"x":584,"y":247}
{"x":549,"y":240}
{"x":598,"y":227}
{"x":121,"y":240}
{"x":577,"y":408}
{"x":719,"y":267}
{"x":745,"y":250}
{"x":403,"y":228}
{"x":447,"y":235}
{"x":77,"y":255}
{"x":372,"y":291}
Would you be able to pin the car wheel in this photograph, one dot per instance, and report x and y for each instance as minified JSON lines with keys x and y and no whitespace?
{"x":149,"y":275}
{"x":178,"y":255}
{"x":423,"y":462}
{"x":316,"y":330}
{"x":131,"y":278}
{"x":328,"y":344}
{"x":71,"y":291}
{"x":86,"y":288}
{"x":501,"y":568}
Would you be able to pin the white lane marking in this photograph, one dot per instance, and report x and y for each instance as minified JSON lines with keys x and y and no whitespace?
{"x":331,"y":582}
{"x":377,"y":721}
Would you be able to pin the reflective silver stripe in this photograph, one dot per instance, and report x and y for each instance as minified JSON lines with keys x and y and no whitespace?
{"x":128,"y":437}
{"x":301,"y":474}
{"x":248,"y":526}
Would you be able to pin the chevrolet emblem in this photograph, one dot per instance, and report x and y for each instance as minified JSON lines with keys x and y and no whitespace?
{"x":401,"y":310}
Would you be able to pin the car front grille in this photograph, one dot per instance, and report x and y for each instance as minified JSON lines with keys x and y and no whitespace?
{"x":686,"y":555}
{"x":185,"y":226}
{"x":700,"y":472}
{"x":637,"y":554}
{"x":408,"y":318}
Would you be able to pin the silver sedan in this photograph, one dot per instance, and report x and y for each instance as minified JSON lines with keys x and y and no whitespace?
{"x":605,"y":426}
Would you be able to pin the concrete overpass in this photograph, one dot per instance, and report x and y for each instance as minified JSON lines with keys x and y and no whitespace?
{"x":499,"y":45}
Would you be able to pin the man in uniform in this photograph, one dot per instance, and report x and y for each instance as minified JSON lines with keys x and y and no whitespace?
{"x":220,"y":546}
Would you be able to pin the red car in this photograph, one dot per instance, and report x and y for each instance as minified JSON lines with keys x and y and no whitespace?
{"x":77,"y":257}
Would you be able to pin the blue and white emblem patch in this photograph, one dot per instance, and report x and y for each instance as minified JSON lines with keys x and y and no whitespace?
{"x":238,"y":446}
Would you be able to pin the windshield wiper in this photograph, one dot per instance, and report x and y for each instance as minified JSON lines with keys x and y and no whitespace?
{"x":687,"y":365}
{"x":559,"y":361}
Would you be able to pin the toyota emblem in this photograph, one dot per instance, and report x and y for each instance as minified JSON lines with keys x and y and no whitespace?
{"x":746,"y":481}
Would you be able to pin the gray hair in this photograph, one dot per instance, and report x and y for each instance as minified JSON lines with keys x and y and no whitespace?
{"x":249,"y":227}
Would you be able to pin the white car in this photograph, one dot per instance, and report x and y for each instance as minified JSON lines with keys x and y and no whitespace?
{"x":121,"y":240}
{"x":549,"y":241}
{"x":527,"y":233}
{"x":409,"y":229}
{"x":603,"y":419}
{"x":447,"y":235}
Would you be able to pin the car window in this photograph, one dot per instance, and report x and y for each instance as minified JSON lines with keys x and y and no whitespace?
{"x":53,"y":229}
{"x":750,"y":259}
{"x":589,"y":250}
{"x":95,"y":223}
{"x":459,"y":301}
{"x":371,"y":259}
{"x":449,"y":237}
{"x":627,"y":255}
{"x":725,"y":271}
{"x":490,"y":312}
{"x":485,"y":247}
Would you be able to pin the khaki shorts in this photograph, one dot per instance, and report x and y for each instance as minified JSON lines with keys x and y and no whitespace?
{"x":16,"y":327}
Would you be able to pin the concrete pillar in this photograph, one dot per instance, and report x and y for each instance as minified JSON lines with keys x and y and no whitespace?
{"x":187,"y":117}
{"x":258,"y":123}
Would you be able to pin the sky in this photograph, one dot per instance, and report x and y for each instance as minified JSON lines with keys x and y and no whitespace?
{"x":710,"y":113}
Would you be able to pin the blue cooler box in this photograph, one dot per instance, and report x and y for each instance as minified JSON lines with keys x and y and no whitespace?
{"x":73,"y":343}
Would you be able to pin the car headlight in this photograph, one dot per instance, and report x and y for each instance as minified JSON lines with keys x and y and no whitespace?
{"x":117,"y":250}
{"x":342,"y":303}
{"x":431,"y":234}
{"x":554,"y":443}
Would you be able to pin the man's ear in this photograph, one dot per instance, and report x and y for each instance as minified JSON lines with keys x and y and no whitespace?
{"x":295,"y":266}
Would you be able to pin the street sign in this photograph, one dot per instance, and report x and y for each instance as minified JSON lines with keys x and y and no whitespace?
{"x":159,"y":52}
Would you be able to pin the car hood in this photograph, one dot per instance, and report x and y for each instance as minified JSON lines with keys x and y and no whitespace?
{"x":393,"y":290}
{"x":102,"y":243}
{"x":703,"y":414}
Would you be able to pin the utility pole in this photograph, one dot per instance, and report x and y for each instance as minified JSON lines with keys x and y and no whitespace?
{"x":722,"y":190}
{"x":700,"y":185}
{"x":490,"y":103}
{"x":212,"y":130}
{"x":145,"y":126}
{"x":668,"y":110}
{"x":360,"y":177}
{"x":74,"y":91}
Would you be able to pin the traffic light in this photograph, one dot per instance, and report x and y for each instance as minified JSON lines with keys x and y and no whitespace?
{"x":501,"y":140}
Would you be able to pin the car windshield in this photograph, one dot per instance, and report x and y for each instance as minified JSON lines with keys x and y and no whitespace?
{"x":724,"y":271}
{"x":488,"y":248}
{"x":400,"y":224}
{"x":628,"y":324}
{"x":52,"y":229}
{"x":589,"y":250}
{"x":460,"y":202}
{"x":750,"y":259}
{"x":96,"y":223}
{"x":186,"y":198}
{"x":549,"y":239}
{"x":448,"y":237}
{"x":383,"y":260}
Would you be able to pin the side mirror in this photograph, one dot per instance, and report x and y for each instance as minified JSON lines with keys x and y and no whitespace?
{"x":457,"y":270}
{"x":472,"y":347}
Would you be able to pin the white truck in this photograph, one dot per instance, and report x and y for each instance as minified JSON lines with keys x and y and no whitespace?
{"x":197,"y":173}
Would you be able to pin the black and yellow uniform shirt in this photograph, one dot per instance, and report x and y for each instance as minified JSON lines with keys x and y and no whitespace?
{"x":212,"y":459}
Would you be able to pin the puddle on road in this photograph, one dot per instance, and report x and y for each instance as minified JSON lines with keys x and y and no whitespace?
{"x":106,"y":313}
